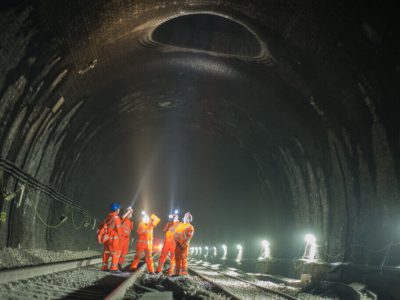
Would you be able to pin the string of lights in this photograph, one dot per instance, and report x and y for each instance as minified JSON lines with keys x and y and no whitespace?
{"x":310,"y":251}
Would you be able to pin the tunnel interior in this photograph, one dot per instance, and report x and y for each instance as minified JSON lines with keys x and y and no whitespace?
{"x":264,"y":119}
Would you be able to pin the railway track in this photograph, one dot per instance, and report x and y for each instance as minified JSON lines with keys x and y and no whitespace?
{"x":235,"y":287}
{"x":80,"y":279}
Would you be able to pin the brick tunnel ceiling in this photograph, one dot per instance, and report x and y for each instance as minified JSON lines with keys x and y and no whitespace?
{"x":273,"y":115}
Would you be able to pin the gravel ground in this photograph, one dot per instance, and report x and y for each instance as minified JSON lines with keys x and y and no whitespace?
{"x":322,"y":293}
{"x":241,"y":289}
{"x":80,"y":283}
{"x":183,"y":287}
{"x":12,"y":257}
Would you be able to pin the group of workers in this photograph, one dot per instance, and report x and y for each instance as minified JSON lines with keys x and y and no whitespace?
{"x":115,"y":232}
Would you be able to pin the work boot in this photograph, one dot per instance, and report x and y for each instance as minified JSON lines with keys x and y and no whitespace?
{"x":132,"y":270}
{"x":115,"y":271}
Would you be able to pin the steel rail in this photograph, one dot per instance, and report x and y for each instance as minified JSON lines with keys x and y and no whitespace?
{"x":272,"y":291}
{"x":27,"y":272}
{"x":232,"y":296}
{"x":45,"y":269}
{"x":120,"y":291}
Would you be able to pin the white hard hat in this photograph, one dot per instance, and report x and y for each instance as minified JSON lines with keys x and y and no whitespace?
{"x":188,"y":217}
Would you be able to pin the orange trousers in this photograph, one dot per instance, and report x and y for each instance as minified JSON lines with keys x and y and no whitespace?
{"x":147,"y":256}
{"x":168,"y":248}
{"x":124,"y":249}
{"x":181,"y":254}
{"x":111,"y":248}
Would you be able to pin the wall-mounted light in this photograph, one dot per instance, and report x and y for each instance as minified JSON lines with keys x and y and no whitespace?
{"x":239,"y":254}
{"x":215,"y":252}
{"x":310,"y":250}
{"x":224,"y":252}
{"x":265,"y":250}
{"x":206,"y":251}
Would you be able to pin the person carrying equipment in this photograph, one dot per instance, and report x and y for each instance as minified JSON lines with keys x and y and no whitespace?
{"x":183,"y":235}
{"x":127,"y":227}
{"x":145,"y":242}
{"x":169,"y":244}
{"x":109,"y":235}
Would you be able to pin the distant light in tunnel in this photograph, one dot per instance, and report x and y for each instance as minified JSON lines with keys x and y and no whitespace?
{"x":310,"y":238}
{"x":215,"y":252}
{"x":224,"y":251}
{"x":239,"y":254}
{"x":265,"y":250}
{"x":200,"y":250}
{"x":191,"y":250}
{"x":310,"y":250}
{"x":206,"y":251}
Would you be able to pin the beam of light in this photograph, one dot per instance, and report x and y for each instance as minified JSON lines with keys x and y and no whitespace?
{"x":265,"y":250}
{"x":144,"y":178}
{"x":215,"y":252}
{"x":172,"y":187}
{"x":206,"y":251}
{"x":224,"y":252}
{"x":239,"y":254}
{"x":310,"y":251}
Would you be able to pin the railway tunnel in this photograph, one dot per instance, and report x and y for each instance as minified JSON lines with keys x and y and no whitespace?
{"x":267,"y":120}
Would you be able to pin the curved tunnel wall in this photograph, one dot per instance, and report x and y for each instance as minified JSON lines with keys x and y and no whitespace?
{"x":314,"y":118}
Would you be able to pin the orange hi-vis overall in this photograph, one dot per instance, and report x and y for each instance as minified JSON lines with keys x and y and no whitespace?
{"x":145,"y":244}
{"x":127,"y":227}
{"x":168,"y":247}
{"x":112,"y":246}
{"x":184,"y":233}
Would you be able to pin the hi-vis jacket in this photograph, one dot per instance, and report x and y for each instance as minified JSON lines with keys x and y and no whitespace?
{"x":145,"y":232}
{"x":184,"y":233}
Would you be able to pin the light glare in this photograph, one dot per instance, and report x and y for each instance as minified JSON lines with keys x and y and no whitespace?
{"x":310,"y":250}
{"x":239,"y":254}
{"x":265,"y":250}
{"x":206,"y":251}
{"x":225,"y":252}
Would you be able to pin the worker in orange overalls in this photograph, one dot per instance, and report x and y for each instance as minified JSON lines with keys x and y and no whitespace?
{"x":127,"y":227}
{"x":183,"y":235}
{"x":169,"y":244}
{"x":145,"y":242}
{"x":112,"y":245}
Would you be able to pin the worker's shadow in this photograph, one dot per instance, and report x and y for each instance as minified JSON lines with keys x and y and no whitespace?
{"x":99,"y":290}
